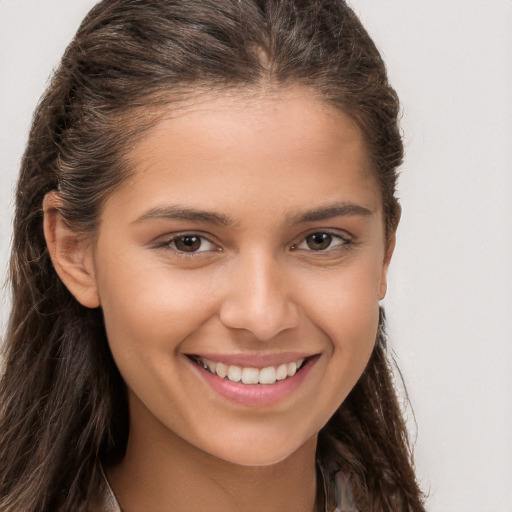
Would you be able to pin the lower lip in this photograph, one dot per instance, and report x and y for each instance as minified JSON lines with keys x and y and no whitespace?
{"x":255,"y":395}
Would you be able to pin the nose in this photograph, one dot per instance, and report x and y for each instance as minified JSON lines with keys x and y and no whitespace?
{"x":259,"y":299}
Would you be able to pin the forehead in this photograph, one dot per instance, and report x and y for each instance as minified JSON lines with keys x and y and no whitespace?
{"x":286,"y":142}
{"x":262,"y":110}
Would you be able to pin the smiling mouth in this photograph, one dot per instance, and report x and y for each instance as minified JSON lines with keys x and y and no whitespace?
{"x":250,"y":375}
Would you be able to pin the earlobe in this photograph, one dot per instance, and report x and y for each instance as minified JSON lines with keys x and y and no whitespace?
{"x":383,"y":285}
{"x":390,"y":247}
{"x":71,"y":254}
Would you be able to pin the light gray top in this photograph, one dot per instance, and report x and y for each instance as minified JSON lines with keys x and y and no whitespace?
{"x":337,"y":492}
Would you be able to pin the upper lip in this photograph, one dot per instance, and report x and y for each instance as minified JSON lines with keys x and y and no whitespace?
{"x":255,"y":360}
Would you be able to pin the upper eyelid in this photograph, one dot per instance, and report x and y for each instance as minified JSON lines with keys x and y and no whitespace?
{"x":200,"y":234}
{"x":340,"y":233}
{"x":169,"y":237}
{"x":347,"y":240}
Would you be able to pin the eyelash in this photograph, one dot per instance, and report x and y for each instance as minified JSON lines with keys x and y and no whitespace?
{"x":343,"y":243}
{"x":170,"y":243}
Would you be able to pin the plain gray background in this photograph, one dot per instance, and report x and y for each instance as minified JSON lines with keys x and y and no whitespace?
{"x":449,"y":303}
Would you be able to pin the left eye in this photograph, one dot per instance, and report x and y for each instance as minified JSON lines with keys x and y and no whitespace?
{"x":191,"y":244}
{"x":322,"y":242}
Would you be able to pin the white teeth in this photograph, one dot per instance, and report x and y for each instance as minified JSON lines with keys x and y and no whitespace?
{"x":268,"y":375}
{"x":250,"y":376}
{"x":234,"y":373}
{"x":221,"y":370}
{"x":291,"y":369}
{"x":281,"y":373}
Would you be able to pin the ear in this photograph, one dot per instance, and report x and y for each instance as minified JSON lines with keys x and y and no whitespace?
{"x":390,"y":247}
{"x":71,"y":254}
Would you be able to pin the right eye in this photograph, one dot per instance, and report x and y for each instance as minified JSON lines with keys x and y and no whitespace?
{"x":190,"y":243}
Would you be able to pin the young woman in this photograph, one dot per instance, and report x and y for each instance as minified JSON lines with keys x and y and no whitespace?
{"x":205,"y":217}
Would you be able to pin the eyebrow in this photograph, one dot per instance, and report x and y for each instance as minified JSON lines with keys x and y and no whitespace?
{"x":342,"y":209}
{"x":178,"y":212}
{"x":186,"y":213}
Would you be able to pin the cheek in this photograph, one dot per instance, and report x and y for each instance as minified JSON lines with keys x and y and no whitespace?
{"x":346,"y":308}
{"x":149,"y":313}
{"x":345,"y":301}
{"x":151,"y":307}
{"x":352,"y":328}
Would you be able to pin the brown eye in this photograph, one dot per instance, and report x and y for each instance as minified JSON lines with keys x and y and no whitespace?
{"x":319,"y":241}
{"x":191,"y":244}
{"x":188,"y":243}
{"x":324,"y":242}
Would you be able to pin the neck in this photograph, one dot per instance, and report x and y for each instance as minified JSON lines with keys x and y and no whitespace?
{"x":165,"y":473}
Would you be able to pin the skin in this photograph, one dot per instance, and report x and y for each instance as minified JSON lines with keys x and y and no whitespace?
{"x":277,"y":168}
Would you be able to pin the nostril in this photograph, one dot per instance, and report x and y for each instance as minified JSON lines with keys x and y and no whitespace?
{"x":264,"y":321}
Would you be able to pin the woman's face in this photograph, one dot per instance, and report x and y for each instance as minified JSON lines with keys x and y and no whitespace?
{"x":248,"y":244}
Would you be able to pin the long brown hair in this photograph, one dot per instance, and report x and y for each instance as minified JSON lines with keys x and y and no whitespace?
{"x":62,"y":401}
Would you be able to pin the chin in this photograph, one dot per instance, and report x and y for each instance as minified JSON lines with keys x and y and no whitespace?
{"x":261,"y":454}
{"x":260,"y":459}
